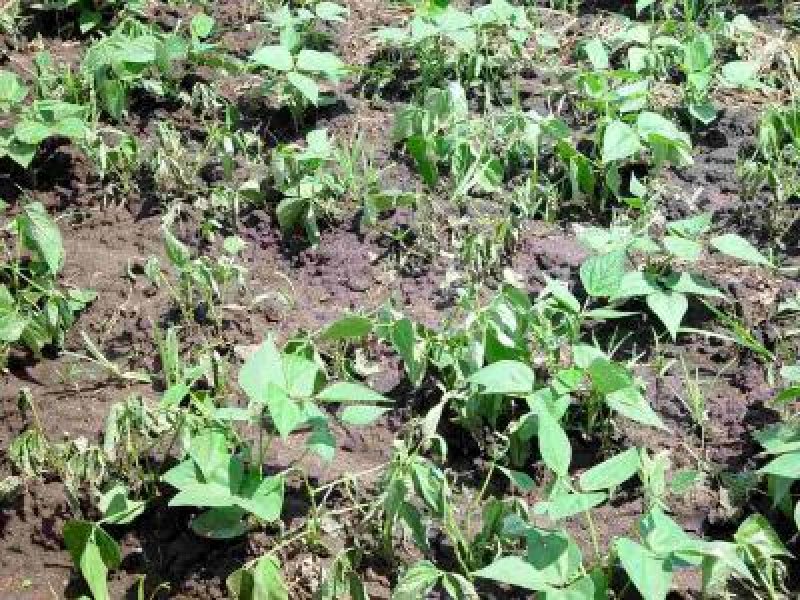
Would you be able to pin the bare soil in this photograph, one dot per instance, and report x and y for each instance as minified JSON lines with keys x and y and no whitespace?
{"x":349,"y":270}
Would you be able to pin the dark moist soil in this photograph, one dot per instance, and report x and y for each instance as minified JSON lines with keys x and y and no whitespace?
{"x":350,"y":270}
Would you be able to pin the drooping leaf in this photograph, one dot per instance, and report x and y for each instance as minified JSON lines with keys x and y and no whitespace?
{"x":41,"y":235}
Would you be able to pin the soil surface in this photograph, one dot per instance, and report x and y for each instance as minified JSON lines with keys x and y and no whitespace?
{"x":108,"y":240}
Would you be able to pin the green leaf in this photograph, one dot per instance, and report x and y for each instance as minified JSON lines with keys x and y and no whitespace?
{"x":667,"y":143}
{"x":330,"y":11}
{"x":564,"y":506}
{"x":682,"y":248}
{"x":212,"y":495}
{"x":286,"y":414}
{"x":554,"y":445}
{"x":620,"y":141}
{"x":417,"y":581}
{"x":348,"y":327}
{"x":683,"y":480}
{"x":362,"y":415}
{"x":740,"y":73}
{"x":736,"y":246}
{"x":554,"y":553}
{"x":273,"y":57}
{"x":611,"y":472}
{"x":597,"y":54}
{"x":291,"y":212}
{"x":459,"y":587}
{"x":522,"y":480}
{"x":41,"y":235}
{"x":662,"y":535}
{"x":504,"y":377}
{"x":263,"y":367}
{"x":514,"y":570}
{"x":94,"y":571}
{"x":221,"y":523}
{"x":266,"y":502}
{"x":12,"y":90}
{"x":21,"y":153}
{"x":320,"y":62}
{"x":209,"y":451}
{"x":177,"y":252}
{"x":561,"y":292}
{"x":650,"y":124}
{"x":688,"y":283}
{"x":407,"y":344}
{"x":307,"y":87}
{"x":608,"y":376}
{"x":589,"y":587}
{"x":424,"y":156}
{"x":71,"y":127}
{"x":12,"y":326}
{"x":705,"y":112}
{"x":322,"y":443}
{"x":699,"y":52}
{"x":691,"y":227}
{"x":602,"y":275}
{"x":94,"y":552}
{"x":670,"y":307}
{"x":31,"y":132}
{"x":260,"y":581}
{"x":201,"y":26}
{"x":630,"y":403}
{"x":786,"y":465}
{"x":117,"y":508}
{"x":757,"y":533}
{"x":345,"y":391}
{"x":650,"y":574}
{"x":636,"y":283}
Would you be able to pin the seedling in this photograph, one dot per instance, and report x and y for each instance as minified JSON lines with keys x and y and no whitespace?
{"x":296,"y":72}
{"x":35,"y":311}
{"x":34,"y":123}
